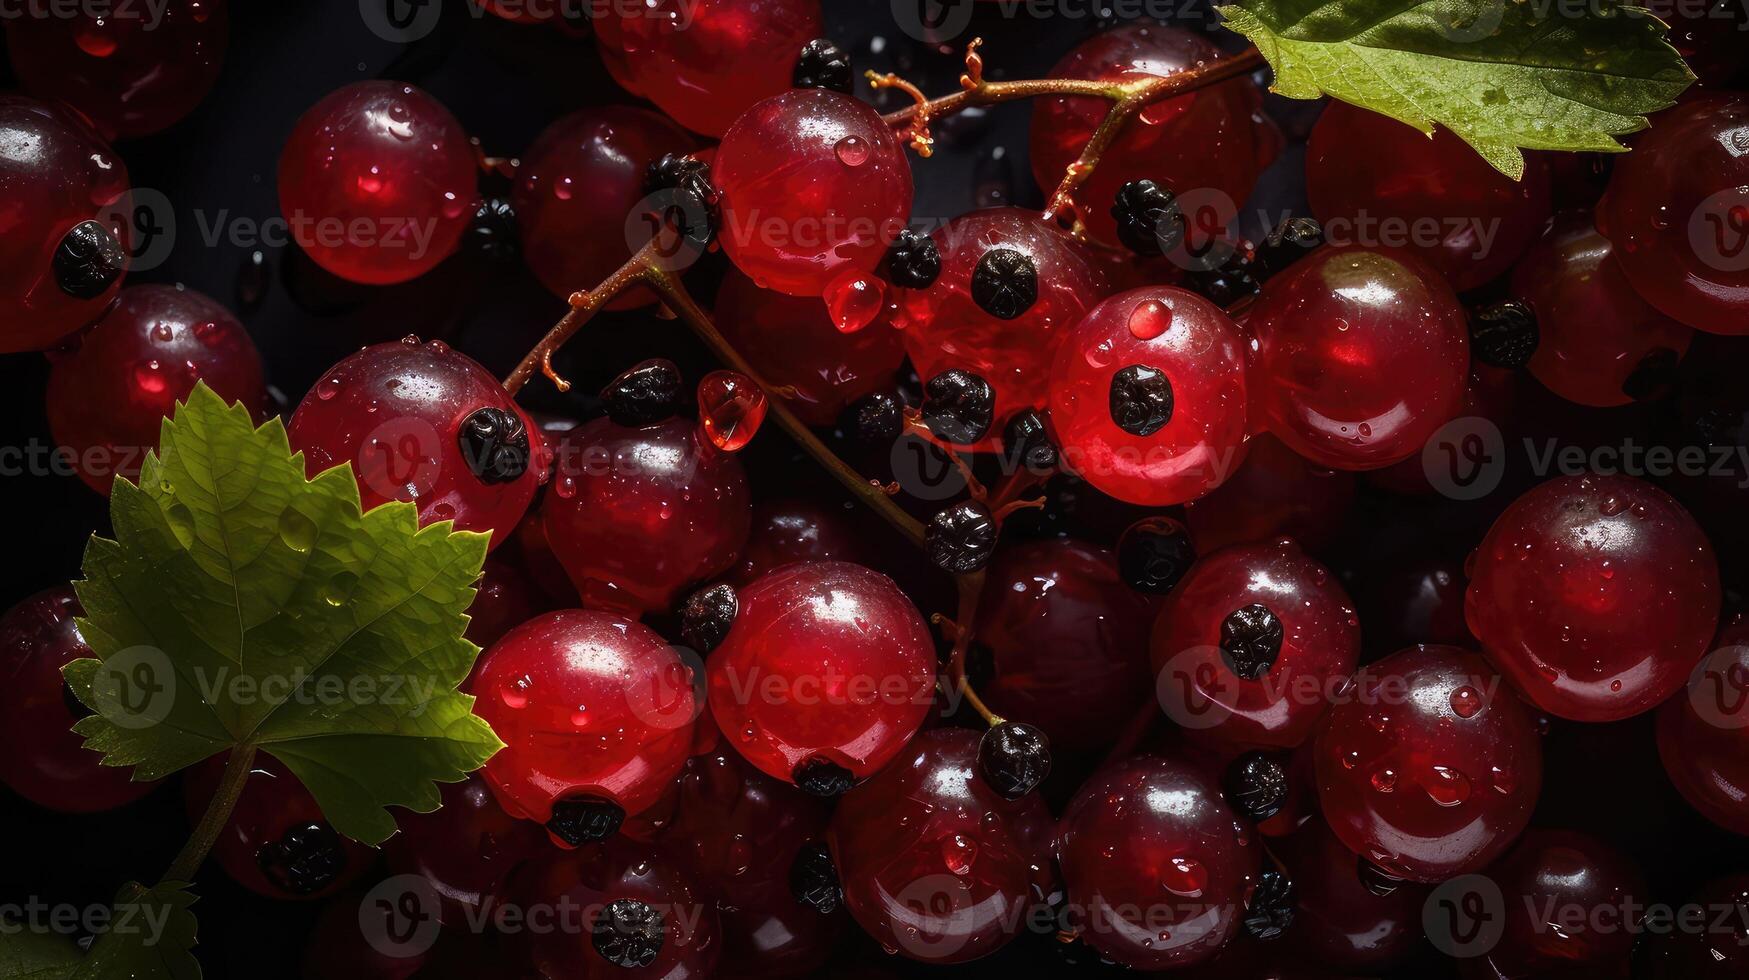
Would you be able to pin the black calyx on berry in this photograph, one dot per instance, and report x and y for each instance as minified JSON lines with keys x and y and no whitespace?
{"x":1251,"y":640}
{"x":628,"y":933}
{"x":1256,"y":786}
{"x":647,"y":393}
{"x":823,"y":777}
{"x":492,"y":235}
{"x":876,"y":419}
{"x":1654,"y":376}
{"x":1504,"y":334}
{"x":583,"y":819}
{"x":1005,"y":283}
{"x":494,"y":443}
{"x":959,"y":406}
{"x":88,"y":261}
{"x":1376,"y":880}
{"x":687,"y":198}
{"x":706,"y":616}
{"x":304,"y":860}
{"x":1153,"y":554}
{"x":1271,"y":909}
{"x":1291,"y":241}
{"x":1228,"y":283}
{"x":961,"y":538}
{"x":1028,"y":442}
{"x":813,"y":880}
{"x":1014,"y":758}
{"x":1149,"y":219}
{"x":823,"y":65}
{"x":1141,"y":400}
{"x":913,"y":262}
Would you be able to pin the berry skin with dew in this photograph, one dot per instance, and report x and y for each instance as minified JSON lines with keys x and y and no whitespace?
{"x":1703,"y":732}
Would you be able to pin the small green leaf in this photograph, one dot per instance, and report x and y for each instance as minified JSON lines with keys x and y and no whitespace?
{"x":243,"y":604}
{"x":28,"y":955}
{"x":1502,"y":75}
{"x":150,"y":937}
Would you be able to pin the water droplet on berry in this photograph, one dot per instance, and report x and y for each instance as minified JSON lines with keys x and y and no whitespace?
{"x":730,"y":409}
{"x":1149,"y":319}
{"x":515,"y":693}
{"x":328,"y":388}
{"x":163,"y":333}
{"x":1448,"y":786}
{"x":1465,"y":702}
{"x":854,"y":299}
{"x":580,"y":717}
{"x":852,"y":151}
{"x":959,"y":851}
{"x":149,"y":377}
{"x":1384,"y":780}
{"x":1185,"y":876}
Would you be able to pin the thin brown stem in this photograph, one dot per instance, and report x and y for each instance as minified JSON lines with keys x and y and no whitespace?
{"x":218,"y":813}
{"x":638,"y":269}
{"x":971,"y":586}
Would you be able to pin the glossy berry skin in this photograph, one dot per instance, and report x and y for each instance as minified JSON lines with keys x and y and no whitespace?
{"x":130,"y":75}
{"x":1594,"y":331}
{"x":108,"y":396}
{"x":1677,"y":213}
{"x":1595,"y":596}
{"x":588,"y":704}
{"x":1361,"y":356}
{"x":1067,"y":641}
{"x":1703,"y":732}
{"x":586,"y":881}
{"x":387,"y":158}
{"x":577,"y":192}
{"x":935,"y":863}
{"x":55,"y":172}
{"x":505,"y":598}
{"x":466,"y":849}
{"x":1200,"y":352}
{"x":1564,"y":869}
{"x":396,"y":413}
{"x":1274,"y":493}
{"x":276,"y":843}
{"x":945,"y":328}
{"x":1337,"y":921}
{"x":1319,"y":645}
{"x":705,"y":63}
{"x":50,"y":765}
{"x":795,"y":346}
{"x":1214,"y":142}
{"x":638,"y":515}
{"x":1365,"y":169}
{"x":1429,"y":766}
{"x":1156,"y":863}
{"x":813,"y":186}
{"x":738,"y":831}
{"x":826,"y":660}
{"x":792,"y":530}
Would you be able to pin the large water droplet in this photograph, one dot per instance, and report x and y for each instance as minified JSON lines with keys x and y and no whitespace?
{"x":730,"y":409}
{"x":1465,"y":702}
{"x":1185,"y":876}
{"x":1149,"y":319}
{"x":958,"y":852}
{"x":852,"y":151}
{"x":853,"y":300}
{"x":297,"y":531}
{"x":1448,"y":787}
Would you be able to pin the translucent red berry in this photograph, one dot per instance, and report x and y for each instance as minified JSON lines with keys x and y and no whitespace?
{"x":730,"y":409}
{"x":1703,"y":732}
{"x":791,"y":530}
{"x":1338,"y":922}
{"x":1562,"y":869}
{"x":466,"y":849}
{"x":1275,"y":492}
{"x":277,"y":842}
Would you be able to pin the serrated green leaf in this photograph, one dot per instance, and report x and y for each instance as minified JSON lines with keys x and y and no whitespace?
{"x":28,"y":955}
{"x":150,"y":937}
{"x":1502,"y":75}
{"x":243,"y":604}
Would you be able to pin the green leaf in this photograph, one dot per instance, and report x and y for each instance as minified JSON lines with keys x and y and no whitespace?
{"x":1501,"y":74}
{"x":150,"y":937}
{"x":243,"y":604}
{"x":28,"y":955}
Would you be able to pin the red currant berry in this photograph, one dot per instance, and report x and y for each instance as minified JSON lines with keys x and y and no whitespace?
{"x":936,"y":864}
{"x":107,"y":398}
{"x":1274,"y":493}
{"x":466,"y":850}
{"x":1366,"y":172}
{"x":1252,"y":642}
{"x":827,"y":669}
{"x":61,"y":259}
{"x":704,"y":62}
{"x":427,"y":424}
{"x":49,"y":764}
{"x":1155,"y":863}
{"x":788,"y":531}
{"x":1207,"y":146}
{"x":577,"y":191}
{"x":1428,"y":767}
{"x":1595,"y":596}
{"x":791,"y":341}
{"x":1361,"y":356}
{"x":730,"y":409}
{"x":1703,"y":733}
{"x":593,"y":709}
{"x":505,"y":598}
{"x":130,"y":75}
{"x":1564,"y":870}
{"x":276,"y":843}
{"x":1148,"y":396}
{"x":1677,"y":211}
{"x":638,"y":515}
{"x":946,"y":327}
{"x":814,"y":185}
{"x":377,"y":182}
{"x":1338,"y":922}
{"x":1067,"y":641}
{"x":1599,"y":344}
{"x":1415,"y":598}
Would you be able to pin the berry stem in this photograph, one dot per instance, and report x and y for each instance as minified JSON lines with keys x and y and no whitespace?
{"x":964,"y":627}
{"x":584,"y":306}
{"x":218,"y":812}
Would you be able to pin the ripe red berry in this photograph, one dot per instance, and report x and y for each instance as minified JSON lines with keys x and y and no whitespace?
{"x":1560,"y":870}
{"x":466,"y":850}
{"x":1338,"y":922}
{"x":424,"y":423}
{"x":814,"y":186}
{"x":792,"y":530}
{"x":827,"y":670}
{"x":276,"y":843}
{"x":109,"y":395}
{"x":1429,"y":766}
{"x":1595,"y":596}
{"x":638,"y":515}
{"x":1703,"y":732}
{"x":1274,"y":493}
{"x":377,"y":182}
